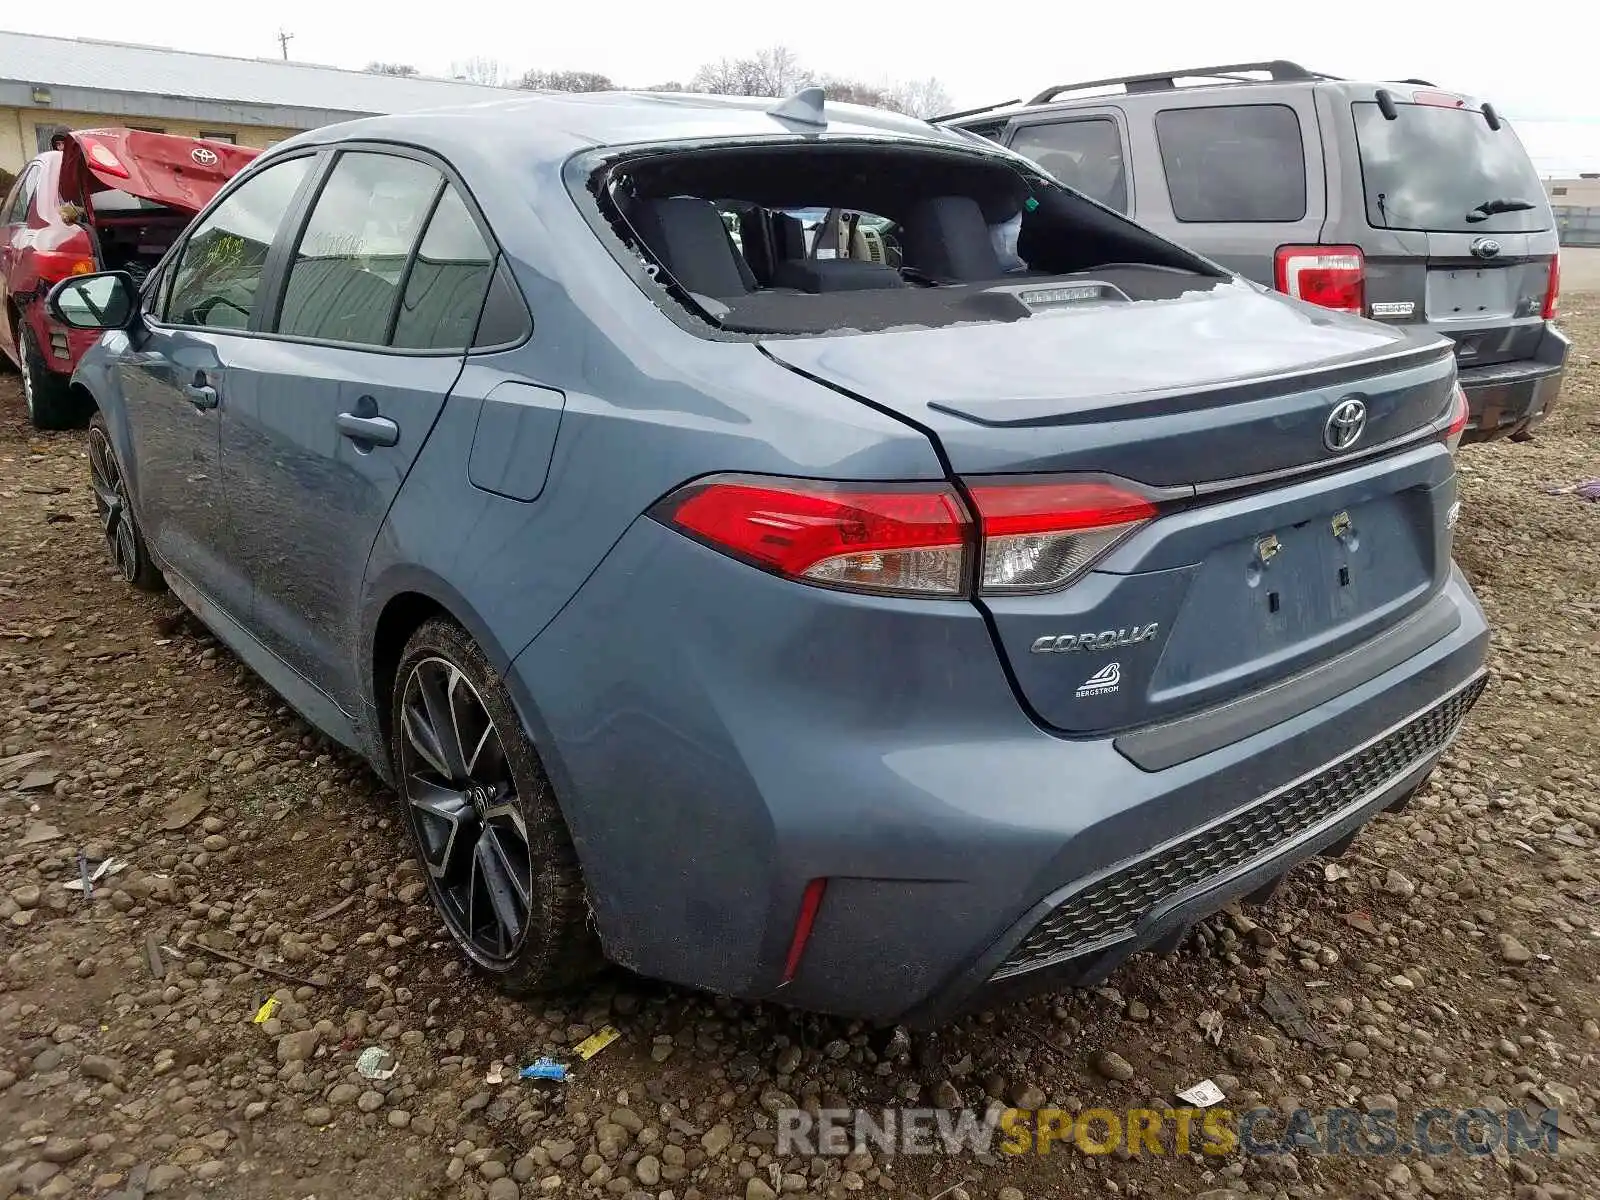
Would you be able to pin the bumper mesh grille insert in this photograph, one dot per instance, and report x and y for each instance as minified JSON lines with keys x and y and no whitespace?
{"x":1112,"y":908}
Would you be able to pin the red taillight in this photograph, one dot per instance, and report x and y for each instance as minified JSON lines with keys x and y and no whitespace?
{"x":101,"y":157}
{"x":810,"y":902}
{"x":55,"y":265}
{"x":1460,"y":413}
{"x":1552,"y":293}
{"x":898,"y":538}
{"x":913,"y":539}
{"x":1041,"y":536}
{"x":1330,"y":276}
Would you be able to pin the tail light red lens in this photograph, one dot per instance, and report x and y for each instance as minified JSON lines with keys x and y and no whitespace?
{"x":56,"y":265}
{"x":101,"y":157}
{"x":1330,"y":276}
{"x":905,"y":539}
{"x":1041,"y":536}
{"x":1552,"y":293}
{"x":911,"y":539}
{"x":1460,"y":413}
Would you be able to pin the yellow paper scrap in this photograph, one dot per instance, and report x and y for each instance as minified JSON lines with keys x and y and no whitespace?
{"x":594,"y":1043}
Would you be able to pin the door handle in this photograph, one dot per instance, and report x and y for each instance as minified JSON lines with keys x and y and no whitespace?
{"x":200,"y":394}
{"x":374,"y":431}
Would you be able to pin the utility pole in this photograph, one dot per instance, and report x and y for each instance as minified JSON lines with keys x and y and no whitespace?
{"x":283,"y":43}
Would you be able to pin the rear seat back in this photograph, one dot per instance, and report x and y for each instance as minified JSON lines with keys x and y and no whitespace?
{"x":688,"y":237}
{"x":946,"y":237}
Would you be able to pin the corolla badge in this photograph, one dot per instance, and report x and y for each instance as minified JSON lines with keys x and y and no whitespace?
{"x":1345,"y":424}
{"x":1108,"y":639}
{"x":206,"y":158}
{"x":1486,"y":247}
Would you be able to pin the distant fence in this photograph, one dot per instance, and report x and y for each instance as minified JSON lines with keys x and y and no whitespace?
{"x":1578,"y":226}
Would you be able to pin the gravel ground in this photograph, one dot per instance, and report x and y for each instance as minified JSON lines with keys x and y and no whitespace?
{"x":1450,"y":959}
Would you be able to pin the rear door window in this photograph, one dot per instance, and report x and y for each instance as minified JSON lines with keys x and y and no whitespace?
{"x":22,"y":197}
{"x":345,"y":281}
{"x":218,"y":275}
{"x":1086,"y":155}
{"x":1445,"y":170}
{"x":448,"y":279}
{"x":1233,"y":163}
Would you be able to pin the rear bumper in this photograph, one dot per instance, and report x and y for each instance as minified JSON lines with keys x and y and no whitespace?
{"x":61,"y":346}
{"x":1507,"y":397}
{"x":721,"y":738}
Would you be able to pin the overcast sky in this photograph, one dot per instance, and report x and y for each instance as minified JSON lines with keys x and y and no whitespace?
{"x":1531,"y":59}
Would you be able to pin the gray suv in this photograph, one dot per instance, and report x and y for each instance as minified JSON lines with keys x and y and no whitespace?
{"x":1398,"y":201}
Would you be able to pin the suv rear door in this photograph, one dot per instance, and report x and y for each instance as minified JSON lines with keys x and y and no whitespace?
{"x":1433,"y":255}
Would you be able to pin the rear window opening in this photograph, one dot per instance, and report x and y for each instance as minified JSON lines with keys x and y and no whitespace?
{"x":1446,"y":170}
{"x":131,"y":233}
{"x":809,"y":238}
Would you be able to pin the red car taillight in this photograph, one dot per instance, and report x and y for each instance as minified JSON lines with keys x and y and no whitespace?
{"x":1041,"y":536}
{"x":911,"y":539}
{"x":903,"y":539}
{"x":1459,"y":415}
{"x":101,"y":156}
{"x":56,"y":265}
{"x":1552,"y":293}
{"x":1330,"y":276}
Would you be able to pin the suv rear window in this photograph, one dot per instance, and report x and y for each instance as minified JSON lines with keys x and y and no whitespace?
{"x":1233,"y":163}
{"x":1432,"y":168}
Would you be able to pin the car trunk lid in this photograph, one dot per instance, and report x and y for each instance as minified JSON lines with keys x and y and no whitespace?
{"x":174,"y":172}
{"x":1271,"y":551}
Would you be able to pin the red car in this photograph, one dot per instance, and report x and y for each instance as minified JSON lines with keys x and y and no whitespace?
{"x":107,"y":200}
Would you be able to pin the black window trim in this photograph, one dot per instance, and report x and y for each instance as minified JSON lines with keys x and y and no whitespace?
{"x":1300,"y":129}
{"x":274,"y":274}
{"x":1111,"y":113}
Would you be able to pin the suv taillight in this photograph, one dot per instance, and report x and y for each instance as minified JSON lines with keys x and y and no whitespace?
{"x":1460,"y":413}
{"x":1330,"y":276}
{"x":1552,"y":293}
{"x":912,"y":539}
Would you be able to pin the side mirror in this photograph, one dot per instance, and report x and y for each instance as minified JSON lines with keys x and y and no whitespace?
{"x":107,"y":300}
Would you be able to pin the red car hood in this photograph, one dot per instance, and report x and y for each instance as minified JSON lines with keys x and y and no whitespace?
{"x":176,"y":172}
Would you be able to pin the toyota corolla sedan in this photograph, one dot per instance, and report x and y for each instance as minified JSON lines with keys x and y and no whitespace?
{"x":953,"y":598}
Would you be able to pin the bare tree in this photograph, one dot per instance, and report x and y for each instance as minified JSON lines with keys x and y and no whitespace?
{"x":775,"y":71}
{"x":566,"y":81}
{"x":919,"y":98}
{"x":479,"y":69}
{"x":384,"y":68}
{"x":853,"y":91}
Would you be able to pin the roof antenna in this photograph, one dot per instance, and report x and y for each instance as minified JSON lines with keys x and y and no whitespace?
{"x":803,"y":108}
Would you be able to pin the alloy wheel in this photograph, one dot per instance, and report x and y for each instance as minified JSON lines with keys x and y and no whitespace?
{"x":111,"y":503}
{"x":463,"y":805}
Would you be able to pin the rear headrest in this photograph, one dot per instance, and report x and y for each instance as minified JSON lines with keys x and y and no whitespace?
{"x":688,"y":236}
{"x":755,"y":235}
{"x":788,"y":237}
{"x":946,"y":237}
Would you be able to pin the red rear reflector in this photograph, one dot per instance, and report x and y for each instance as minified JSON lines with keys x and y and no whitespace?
{"x":1552,"y":293}
{"x":1041,"y":536}
{"x":1330,"y":276}
{"x":904,"y":539}
{"x":1439,"y":99}
{"x":810,"y":902}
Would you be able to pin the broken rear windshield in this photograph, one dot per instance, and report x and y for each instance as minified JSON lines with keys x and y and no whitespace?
{"x":817,"y":237}
{"x":1435,"y":168}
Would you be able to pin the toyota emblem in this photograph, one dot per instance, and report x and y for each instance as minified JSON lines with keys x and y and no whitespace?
{"x":1345,"y":424}
{"x":206,"y":158}
{"x":1486,"y":247}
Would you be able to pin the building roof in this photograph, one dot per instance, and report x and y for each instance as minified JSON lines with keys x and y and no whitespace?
{"x":121,"y":67}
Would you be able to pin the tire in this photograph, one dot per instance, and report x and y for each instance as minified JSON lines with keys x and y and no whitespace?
{"x":118,"y":523}
{"x":497,"y":857}
{"x":50,"y":404}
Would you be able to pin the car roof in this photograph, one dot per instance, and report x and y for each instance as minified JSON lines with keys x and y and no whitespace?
{"x":555,"y":125}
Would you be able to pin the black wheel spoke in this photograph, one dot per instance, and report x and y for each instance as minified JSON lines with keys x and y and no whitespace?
{"x":447,"y":825}
{"x":465,"y":812}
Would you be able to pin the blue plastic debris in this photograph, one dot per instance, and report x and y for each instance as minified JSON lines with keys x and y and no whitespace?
{"x":545,"y":1068}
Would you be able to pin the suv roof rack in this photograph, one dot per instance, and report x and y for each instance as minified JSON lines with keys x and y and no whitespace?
{"x":1280,"y":69}
{"x":972,"y":112}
